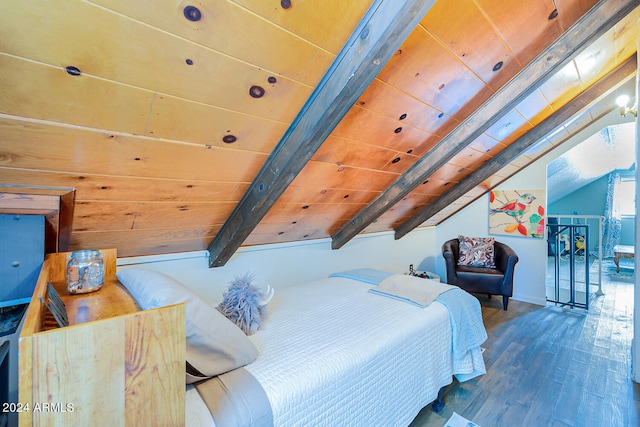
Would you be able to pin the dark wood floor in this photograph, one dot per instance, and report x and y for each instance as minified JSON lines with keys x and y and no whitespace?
{"x":551,"y":366}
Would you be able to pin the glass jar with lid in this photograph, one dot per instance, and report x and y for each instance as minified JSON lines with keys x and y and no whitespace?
{"x":85,"y":271}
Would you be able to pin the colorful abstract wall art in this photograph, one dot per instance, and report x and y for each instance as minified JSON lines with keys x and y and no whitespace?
{"x":517,"y":213}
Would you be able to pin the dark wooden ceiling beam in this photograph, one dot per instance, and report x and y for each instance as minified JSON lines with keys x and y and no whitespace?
{"x":378,"y":36}
{"x":592,"y":25}
{"x":613,"y":80}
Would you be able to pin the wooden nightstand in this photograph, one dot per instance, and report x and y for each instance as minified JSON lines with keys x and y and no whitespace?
{"x":114,"y":365}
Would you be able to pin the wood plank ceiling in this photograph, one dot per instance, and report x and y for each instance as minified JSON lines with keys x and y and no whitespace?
{"x":161,"y":123}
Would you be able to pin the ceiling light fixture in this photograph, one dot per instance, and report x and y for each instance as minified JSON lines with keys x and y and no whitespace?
{"x":622,"y":102}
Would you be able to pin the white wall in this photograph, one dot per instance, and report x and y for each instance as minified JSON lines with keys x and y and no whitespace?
{"x":635,"y":352}
{"x":286,"y":264}
{"x":636,"y":298}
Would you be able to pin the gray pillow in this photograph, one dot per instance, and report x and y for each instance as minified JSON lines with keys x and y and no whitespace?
{"x":215,"y":345}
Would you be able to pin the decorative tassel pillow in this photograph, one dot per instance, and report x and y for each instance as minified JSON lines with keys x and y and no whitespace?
{"x":245,"y":305}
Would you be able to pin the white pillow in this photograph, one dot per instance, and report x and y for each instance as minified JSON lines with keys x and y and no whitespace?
{"x":215,"y":345}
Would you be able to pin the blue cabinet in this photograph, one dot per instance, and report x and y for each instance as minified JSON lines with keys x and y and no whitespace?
{"x":21,"y":256}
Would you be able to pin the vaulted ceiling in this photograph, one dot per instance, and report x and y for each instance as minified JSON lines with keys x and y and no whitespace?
{"x":218,"y":123}
{"x":610,"y":149}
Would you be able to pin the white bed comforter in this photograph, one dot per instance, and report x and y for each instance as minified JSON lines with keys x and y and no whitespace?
{"x":333,"y":354}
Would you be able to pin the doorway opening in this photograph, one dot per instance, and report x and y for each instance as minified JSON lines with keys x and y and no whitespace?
{"x":585,"y":187}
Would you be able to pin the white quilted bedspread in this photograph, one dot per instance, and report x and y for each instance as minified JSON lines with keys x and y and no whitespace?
{"x":332,"y":354}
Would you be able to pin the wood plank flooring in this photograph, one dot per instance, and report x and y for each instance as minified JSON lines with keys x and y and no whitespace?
{"x":551,"y":366}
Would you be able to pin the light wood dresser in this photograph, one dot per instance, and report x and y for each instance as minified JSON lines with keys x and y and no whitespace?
{"x":114,"y":365}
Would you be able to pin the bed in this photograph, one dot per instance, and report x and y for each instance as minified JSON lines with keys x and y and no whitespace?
{"x":332,"y":352}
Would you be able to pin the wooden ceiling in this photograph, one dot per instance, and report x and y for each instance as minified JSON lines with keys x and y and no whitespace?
{"x":188,"y":125}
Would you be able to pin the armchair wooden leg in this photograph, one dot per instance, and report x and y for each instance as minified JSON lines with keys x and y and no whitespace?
{"x":505,"y":302}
